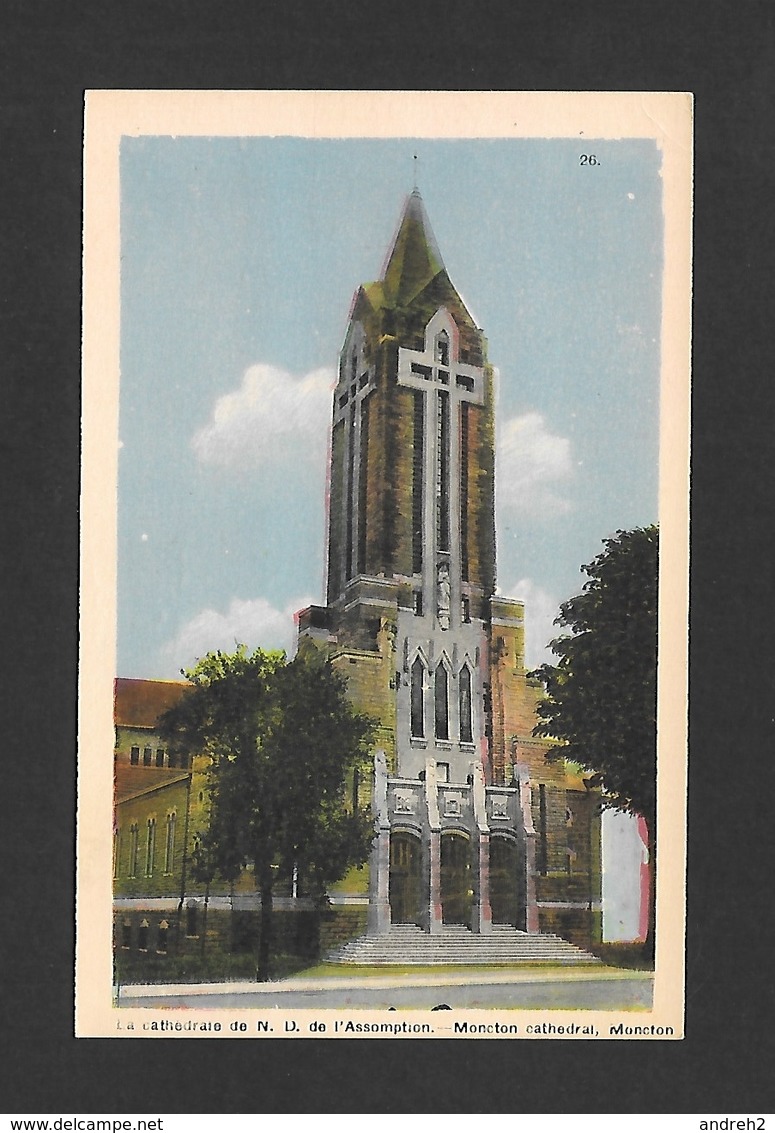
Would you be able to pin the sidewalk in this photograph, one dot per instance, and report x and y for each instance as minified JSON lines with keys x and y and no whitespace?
{"x":550,"y":988}
{"x":466,"y":977}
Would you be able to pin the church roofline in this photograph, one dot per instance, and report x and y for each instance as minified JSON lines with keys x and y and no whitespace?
{"x":412,"y":261}
{"x":138,"y":702}
{"x":413,"y":274}
{"x":125,"y":790}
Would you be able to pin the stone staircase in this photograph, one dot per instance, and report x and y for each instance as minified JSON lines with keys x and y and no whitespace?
{"x":408,"y":944}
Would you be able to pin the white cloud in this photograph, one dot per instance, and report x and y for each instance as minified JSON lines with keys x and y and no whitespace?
{"x":253,"y":622}
{"x":531,"y":463}
{"x":273,"y":415}
{"x":540,"y":611}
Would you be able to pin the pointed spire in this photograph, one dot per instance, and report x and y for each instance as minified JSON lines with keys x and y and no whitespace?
{"x":414,"y":259}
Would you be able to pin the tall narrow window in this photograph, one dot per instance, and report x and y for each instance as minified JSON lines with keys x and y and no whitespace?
{"x":418,"y":697}
{"x":336,"y":530}
{"x":466,"y":723}
{"x":169,"y":843}
{"x":441,"y":702}
{"x":349,"y":509}
{"x":150,"y":847}
{"x":142,"y":936}
{"x":442,"y":349}
{"x":133,"y":841}
{"x":362,"y":486}
{"x":159,"y":756}
{"x":134,"y":756}
{"x":417,"y":480}
{"x":464,"y":424}
{"x":442,"y":471}
{"x":147,"y":757}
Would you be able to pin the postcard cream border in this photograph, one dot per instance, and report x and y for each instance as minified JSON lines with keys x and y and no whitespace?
{"x":110,"y":115}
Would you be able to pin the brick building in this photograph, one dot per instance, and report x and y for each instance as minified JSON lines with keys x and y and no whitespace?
{"x":151,"y":793}
{"x":159,"y":806}
{"x":474,"y":826}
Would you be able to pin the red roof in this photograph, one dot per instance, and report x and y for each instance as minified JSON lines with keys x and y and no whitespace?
{"x":140,"y":703}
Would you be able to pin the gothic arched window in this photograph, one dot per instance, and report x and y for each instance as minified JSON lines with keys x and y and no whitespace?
{"x":133,"y":840}
{"x":142,"y":936}
{"x":441,"y":702}
{"x":466,"y":722}
{"x":169,"y":843}
{"x":150,"y":847}
{"x":442,"y":349}
{"x":418,"y":698}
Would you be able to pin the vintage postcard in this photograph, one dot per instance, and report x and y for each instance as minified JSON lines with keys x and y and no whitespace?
{"x":384,"y":510}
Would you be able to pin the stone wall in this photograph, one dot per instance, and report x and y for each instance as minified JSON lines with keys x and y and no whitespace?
{"x":368,"y":675}
{"x":148,"y":937}
{"x":339,"y":924}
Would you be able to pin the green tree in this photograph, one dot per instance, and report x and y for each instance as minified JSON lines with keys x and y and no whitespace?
{"x":283,"y":741}
{"x":602,"y":694}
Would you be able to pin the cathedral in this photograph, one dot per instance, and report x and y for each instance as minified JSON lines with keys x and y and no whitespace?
{"x":474,"y":826}
{"x":476,"y":830}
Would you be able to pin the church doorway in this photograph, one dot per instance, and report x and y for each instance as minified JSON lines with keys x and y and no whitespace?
{"x":504,"y":882}
{"x":405,"y":878}
{"x":456,"y":891}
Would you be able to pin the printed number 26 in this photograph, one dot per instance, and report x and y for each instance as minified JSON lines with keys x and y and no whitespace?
{"x":588,"y":159}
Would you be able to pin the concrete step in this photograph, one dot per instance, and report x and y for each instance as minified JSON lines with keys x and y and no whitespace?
{"x":455,"y":944}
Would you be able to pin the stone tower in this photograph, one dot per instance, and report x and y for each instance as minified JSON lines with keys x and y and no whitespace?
{"x":412,"y":620}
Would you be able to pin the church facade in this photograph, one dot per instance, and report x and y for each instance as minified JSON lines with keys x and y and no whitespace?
{"x":474,"y":826}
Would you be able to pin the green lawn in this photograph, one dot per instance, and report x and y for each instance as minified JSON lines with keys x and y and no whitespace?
{"x":346,"y":971}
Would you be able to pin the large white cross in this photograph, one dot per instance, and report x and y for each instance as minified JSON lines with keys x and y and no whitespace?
{"x":432,"y":370}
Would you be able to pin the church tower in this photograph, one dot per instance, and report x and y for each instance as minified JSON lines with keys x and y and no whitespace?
{"x":411,"y":521}
{"x":411,"y":617}
{"x":412,"y":438}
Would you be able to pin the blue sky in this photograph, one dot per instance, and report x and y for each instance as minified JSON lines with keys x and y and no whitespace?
{"x":239,"y":262}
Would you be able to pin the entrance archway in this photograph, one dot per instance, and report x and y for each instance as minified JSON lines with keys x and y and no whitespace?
{"x":456,"y":892}
{"x":405,"y":879}
{"x":505,"y":890}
